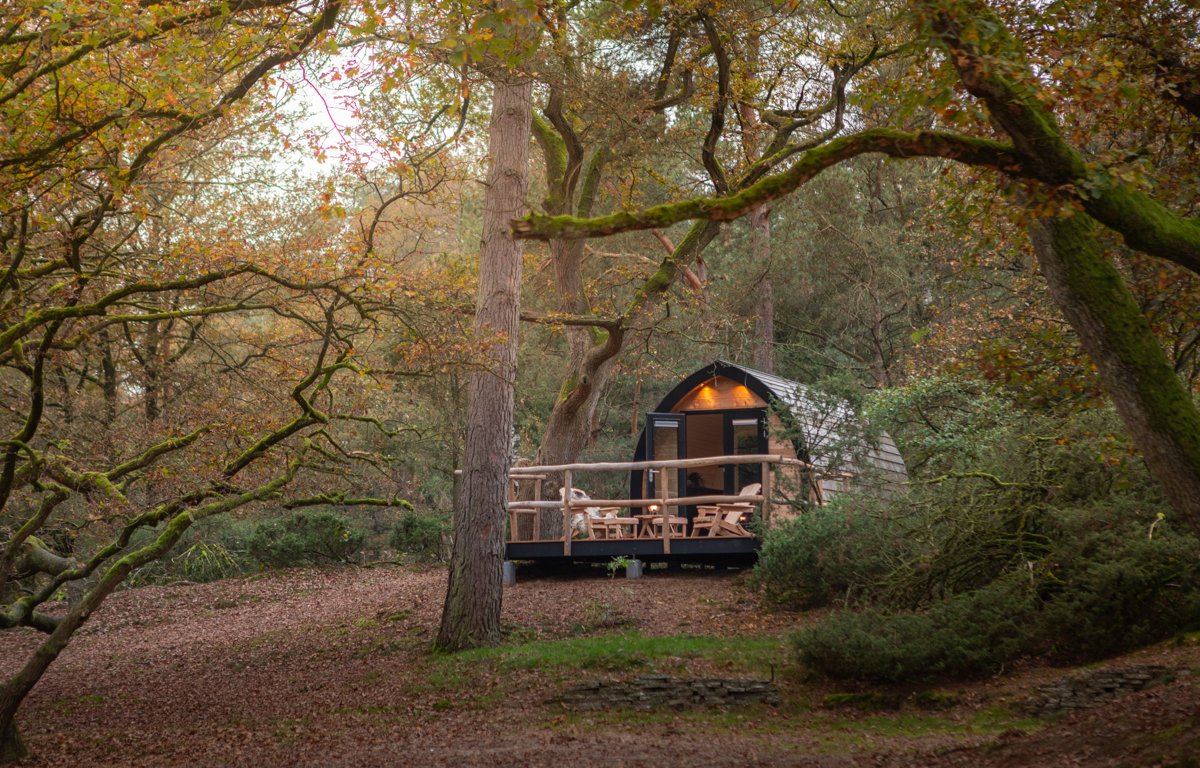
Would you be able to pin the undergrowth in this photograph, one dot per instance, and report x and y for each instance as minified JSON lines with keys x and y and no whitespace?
{"x":1047,"y":539}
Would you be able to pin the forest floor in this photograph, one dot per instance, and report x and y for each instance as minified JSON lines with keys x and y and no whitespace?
{"x":331,"y":668}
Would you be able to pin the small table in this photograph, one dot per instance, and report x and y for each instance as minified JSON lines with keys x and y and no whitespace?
{"x":613,"y":527}
{"x":649,"y":522}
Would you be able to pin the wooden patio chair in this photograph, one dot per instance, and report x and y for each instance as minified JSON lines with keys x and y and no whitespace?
{"x":592,"y":522}
{"x":724,"y":519}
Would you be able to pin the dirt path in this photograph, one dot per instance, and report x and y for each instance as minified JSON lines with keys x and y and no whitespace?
{"x":332,"y":668}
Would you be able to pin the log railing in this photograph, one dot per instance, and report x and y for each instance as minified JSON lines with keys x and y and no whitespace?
{"x":567,"y":507}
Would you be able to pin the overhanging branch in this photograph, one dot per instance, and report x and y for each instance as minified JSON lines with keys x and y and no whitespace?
{"x":952,"y":146}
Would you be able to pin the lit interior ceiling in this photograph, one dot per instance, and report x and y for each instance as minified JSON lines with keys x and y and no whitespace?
{"x":717,"y":394}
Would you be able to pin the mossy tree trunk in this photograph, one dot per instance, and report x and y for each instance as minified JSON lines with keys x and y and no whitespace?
{"x":1150,"y":397}
{"x":1157,"y":408}
{"x":12,"y":748}
{"x":763,"y":288}
{"x":471,"y":614}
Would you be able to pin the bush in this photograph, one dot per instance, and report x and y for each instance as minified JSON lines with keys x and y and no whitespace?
{"x":1045,"y":536}
{"x":423,"y":536}
{"x":1114,"y":587}
{"x":826,"y":554}
{"x":1101,"y":589}
{"x":213,"y":549}
{"x":965,"y":636}
{"x":305,"y":538}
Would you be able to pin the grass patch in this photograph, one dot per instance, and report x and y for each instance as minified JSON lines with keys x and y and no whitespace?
{"x":854,"y":733}
{"x":936,"y":699}
{"x":632,"y":651}
{"x":486,"y":672}
{"x":906,"y":724}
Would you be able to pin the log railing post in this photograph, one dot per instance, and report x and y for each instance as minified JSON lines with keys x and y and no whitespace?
{"x":537,"y":512}
{"x":566,"y":513}
{"x":666,"y":511}
{"x":765,"y":518}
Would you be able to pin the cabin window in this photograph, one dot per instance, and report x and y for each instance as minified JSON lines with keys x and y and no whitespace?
{"x":666,"y":440}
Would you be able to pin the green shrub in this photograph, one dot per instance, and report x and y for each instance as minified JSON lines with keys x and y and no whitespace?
{"x":1025,"y":532}
{"x":1112,"y":587}
{"x":422,"y":536}
{"x":305,"y":538}
{"x":215,"y":548}
{"x":826,"y":554}
{"x":1102,"y":588}
{"x":965,"y":636}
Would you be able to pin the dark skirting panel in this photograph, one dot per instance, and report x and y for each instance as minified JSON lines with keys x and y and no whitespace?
{"x":697,"y":550}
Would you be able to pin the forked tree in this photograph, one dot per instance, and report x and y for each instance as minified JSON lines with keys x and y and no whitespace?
{"x":1070,"y":194}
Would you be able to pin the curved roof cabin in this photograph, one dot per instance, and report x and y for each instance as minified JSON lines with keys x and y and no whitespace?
{"x":725,"y":409}
{"x":725,"y":412}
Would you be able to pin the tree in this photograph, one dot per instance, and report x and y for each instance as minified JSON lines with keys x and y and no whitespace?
{"x":862,"y":272}
{"x":471,"y":614}
{"x":1070,"y":192}
{"x":81,"y":167}
{"x":686,"y":64}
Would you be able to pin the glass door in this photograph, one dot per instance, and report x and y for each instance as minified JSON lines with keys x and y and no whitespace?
{"x":666,"y":440}
{"x":745,"y":435}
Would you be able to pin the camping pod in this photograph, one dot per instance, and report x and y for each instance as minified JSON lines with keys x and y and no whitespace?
{"x":725,"y":409}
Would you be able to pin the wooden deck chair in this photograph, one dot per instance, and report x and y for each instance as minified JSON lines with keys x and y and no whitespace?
{"x":730,"y":523}
{"x":723,"y":519}
{"x":582,"y":522}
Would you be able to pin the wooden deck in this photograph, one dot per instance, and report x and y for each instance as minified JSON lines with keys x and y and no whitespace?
{"x":634,"y":527}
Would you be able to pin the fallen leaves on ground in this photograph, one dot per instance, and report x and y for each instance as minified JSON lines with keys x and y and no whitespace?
{"x":330,"y":668}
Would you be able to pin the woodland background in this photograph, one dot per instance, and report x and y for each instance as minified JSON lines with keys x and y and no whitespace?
{"x":241,"y":255}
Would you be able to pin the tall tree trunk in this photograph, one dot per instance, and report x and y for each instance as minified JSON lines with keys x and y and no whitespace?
{"x":471,"y":614}
{"x":151,"y":359}
{"x":12,"y":748}
{"x":1156,"y":407}
{"x":108,"y":380}
{"x":588,"y":365}
{"x":764,"y":293}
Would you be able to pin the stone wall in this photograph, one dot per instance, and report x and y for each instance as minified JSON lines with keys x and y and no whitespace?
{"x":656,"y":691}
{"x":1090,"y":687}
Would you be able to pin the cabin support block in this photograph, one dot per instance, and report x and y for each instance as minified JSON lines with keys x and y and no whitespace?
{"x":633,"y":569}
{"x":508,"y":572}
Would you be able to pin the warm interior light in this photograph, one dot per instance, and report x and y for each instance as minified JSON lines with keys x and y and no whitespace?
{"x":653,"y":508}
{"x":719,"y":393}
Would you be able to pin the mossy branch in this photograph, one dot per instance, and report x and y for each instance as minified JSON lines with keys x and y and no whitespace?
{"x":345,"y":500}
{"x":155,"y":452}
{"x":976,"y":475}
{"x":965,"y":149}
{"x":554,"y":154}
{"x":992,"y":65}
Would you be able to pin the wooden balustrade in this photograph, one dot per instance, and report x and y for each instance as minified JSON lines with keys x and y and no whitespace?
{"x":568,"y":507}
